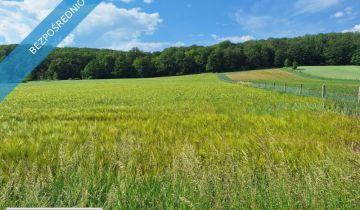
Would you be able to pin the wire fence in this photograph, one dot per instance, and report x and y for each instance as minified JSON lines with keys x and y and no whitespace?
{"x":332,"y":92}
{"x":346,"y":97}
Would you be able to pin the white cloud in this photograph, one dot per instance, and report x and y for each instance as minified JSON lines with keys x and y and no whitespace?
{"x":145,"y":1}
{"x":69,"y":40}
{"x":347,"y":12}
{"x":339,"y":14}
{"x":108,"y":26}
{"x":17,"y":19}
{"x":147,"y":46}
{"x":126,"y":1}
{"x":148,"y":1}
{"x":356,"y":28}
{"x":178,"y":44}
{"x":313,"y":6}
{"x":233,"y":39}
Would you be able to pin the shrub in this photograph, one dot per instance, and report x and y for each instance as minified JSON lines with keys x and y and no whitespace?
{"x":295,"y":65}
{"x":287,"y":63}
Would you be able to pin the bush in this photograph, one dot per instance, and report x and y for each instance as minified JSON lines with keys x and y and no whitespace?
{"x":287,"y":63}
{"x":295,"y":65}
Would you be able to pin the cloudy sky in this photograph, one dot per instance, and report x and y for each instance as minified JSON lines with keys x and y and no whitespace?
{"x":156,"y":24}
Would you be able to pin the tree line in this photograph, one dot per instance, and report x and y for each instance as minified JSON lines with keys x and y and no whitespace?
{"x":85,"y":63}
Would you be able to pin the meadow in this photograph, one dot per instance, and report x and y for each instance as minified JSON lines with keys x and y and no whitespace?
{"x":332,"y":72}
{"x":189,"y":142}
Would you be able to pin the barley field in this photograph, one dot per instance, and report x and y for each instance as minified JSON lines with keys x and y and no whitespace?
{"x":190,"y":142}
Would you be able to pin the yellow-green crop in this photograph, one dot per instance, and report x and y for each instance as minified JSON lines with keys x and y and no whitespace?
{"x":191,"y":142}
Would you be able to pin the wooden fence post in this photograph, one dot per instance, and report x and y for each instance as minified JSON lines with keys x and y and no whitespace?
{"x":275,"y":85}
{"x":301,"y":89}
{"x":285,"y":87}
{"x":323,"y":91}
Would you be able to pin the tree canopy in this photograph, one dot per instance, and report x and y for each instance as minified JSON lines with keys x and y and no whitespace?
{"x":84,"y":63}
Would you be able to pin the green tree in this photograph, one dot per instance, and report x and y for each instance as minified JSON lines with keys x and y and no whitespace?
{"x":252,"y":51}
{"x":143,"y":66}
{"x":295,"y":65}
{"x":63,"y":68}
{"x":108,"y":63}
{"x":234,"y":58}
{"x":65,"y":63}
{"x":295,"y":51}
{"x":267,"y":55}
{"x":165,"y":62}
{"x":287,"y":63}
{"x":279,"y":47}
{"x":200,"y":56}
{"x":338,"y":51}
{"x":189,"y":65}
{"x":123,"y":67}
{"x":93,"y":70}
{"x":356,"y":58}
{"x":100,"y":67}
{"x":215,"y":61}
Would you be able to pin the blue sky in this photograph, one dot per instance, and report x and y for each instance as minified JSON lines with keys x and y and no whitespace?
{"x":194,"y":22}
{"x":155,"y":24}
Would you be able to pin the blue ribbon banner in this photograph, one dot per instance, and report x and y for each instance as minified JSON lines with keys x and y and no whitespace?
{"x":42,"y":41}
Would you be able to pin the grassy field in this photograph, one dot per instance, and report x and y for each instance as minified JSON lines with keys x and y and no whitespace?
{"x":291,"y":76}
{"x":345,"y":92}
{"x":192,"y":142}
{"x":332,"y":72}
{"x":267,"y":75}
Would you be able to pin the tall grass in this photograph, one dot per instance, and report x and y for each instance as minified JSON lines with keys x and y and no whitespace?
{"x":190,"y":142}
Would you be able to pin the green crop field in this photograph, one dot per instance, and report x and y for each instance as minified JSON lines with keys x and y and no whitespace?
{"x":190,"y":142}
{"x":269,"y":75}
{"x":345,"y":92}
{"x":332,"y":72}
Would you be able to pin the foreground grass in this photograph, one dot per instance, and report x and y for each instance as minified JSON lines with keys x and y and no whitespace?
{"x":175,"y":143}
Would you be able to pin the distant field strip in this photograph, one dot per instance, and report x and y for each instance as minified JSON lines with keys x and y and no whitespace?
{"x":264,"y":75}
{"x":343,"y":91}
{"x":333,"y":72}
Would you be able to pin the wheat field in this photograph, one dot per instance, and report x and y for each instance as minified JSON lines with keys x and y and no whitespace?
{"x":190,"y":142}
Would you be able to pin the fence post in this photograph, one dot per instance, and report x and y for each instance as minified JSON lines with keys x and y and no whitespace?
{"x":275,"y":85}
{"x":285,"y":87}
{"x":323,"y":91}
{"x":301,"y":89}
{"x":359,"y":96}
